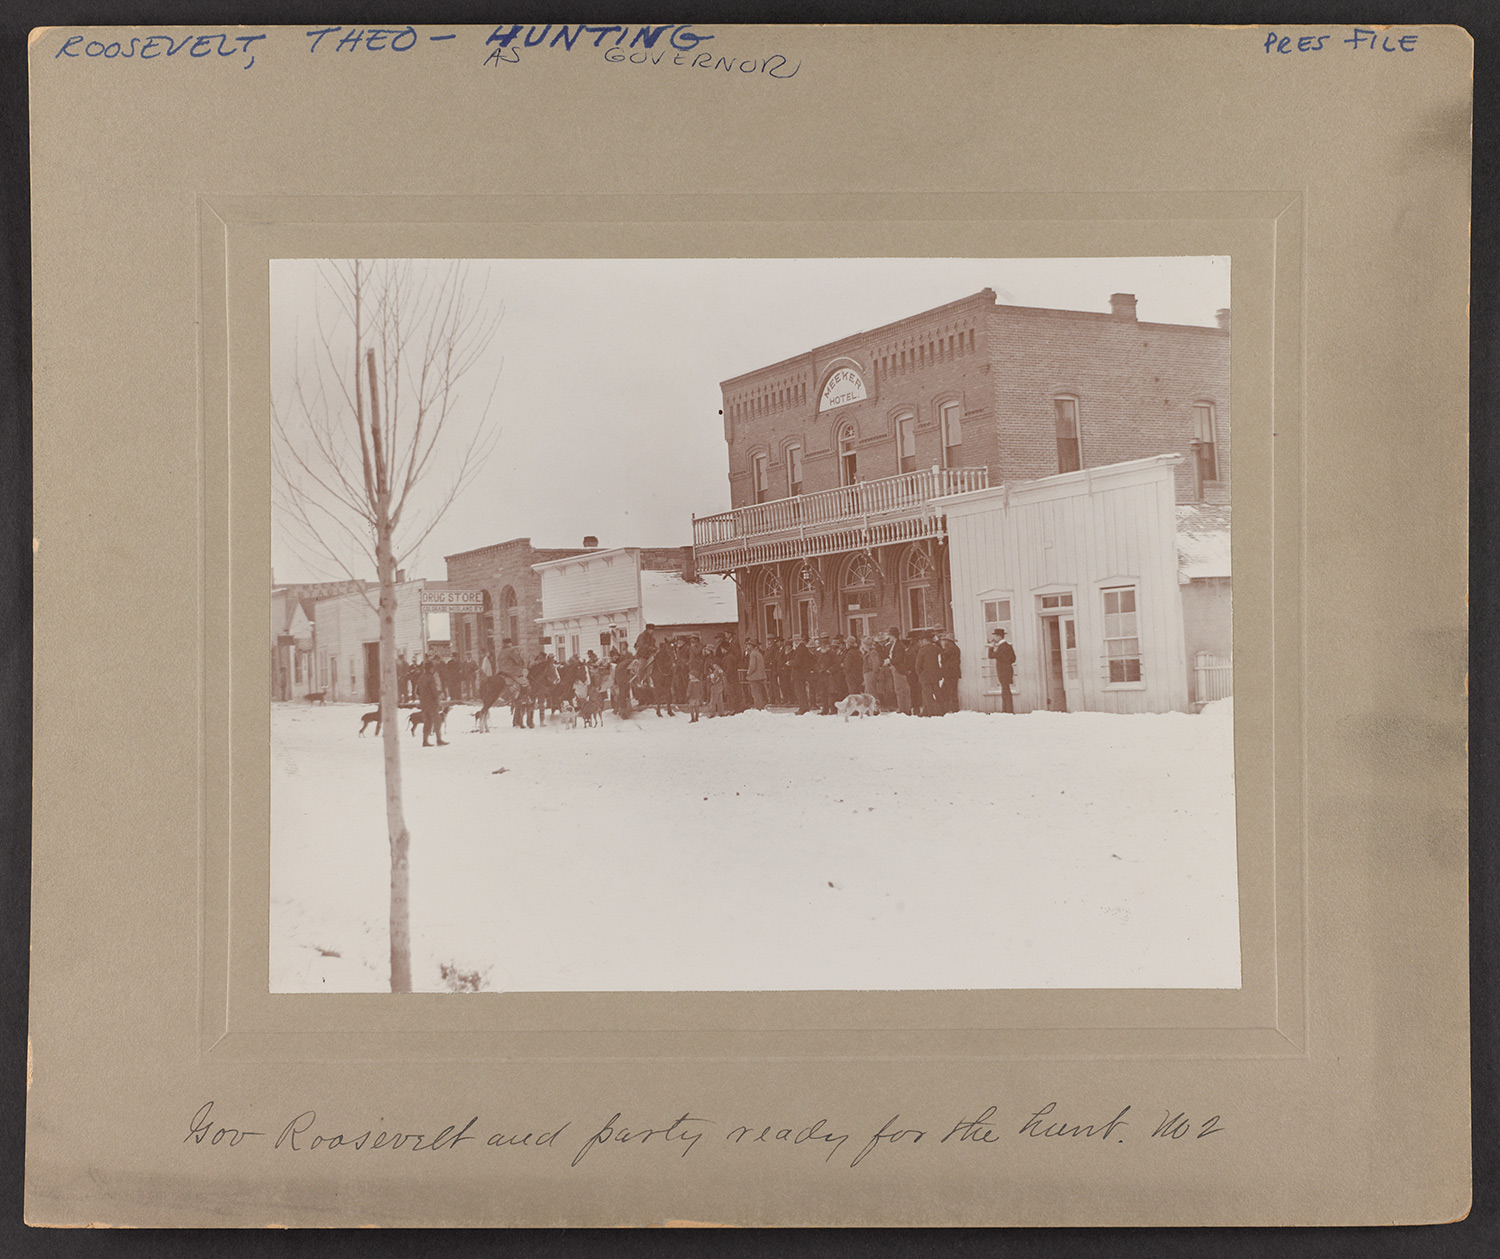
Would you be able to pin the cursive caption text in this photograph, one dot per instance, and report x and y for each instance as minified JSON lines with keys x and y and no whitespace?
{"x":679,"y":1137}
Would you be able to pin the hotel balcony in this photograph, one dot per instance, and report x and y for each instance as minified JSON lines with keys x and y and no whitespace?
{"x":867,"y":514}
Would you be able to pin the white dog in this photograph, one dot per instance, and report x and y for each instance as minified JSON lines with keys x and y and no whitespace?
{"x":859,"y":704}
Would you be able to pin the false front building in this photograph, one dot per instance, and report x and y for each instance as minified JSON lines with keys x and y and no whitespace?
{"x":842,"y":459}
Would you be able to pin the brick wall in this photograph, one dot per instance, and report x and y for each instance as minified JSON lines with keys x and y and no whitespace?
{"x":508,"y":565}
{"x":908,"y":367}
{"x":666,"y":559}
{"x":1136,"y":384}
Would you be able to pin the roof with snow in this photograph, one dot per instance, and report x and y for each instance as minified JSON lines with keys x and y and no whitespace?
{"x":1202,"y":540}
{"x":667,"y":599}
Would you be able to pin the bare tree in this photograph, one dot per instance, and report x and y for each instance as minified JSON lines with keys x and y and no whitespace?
{"x":369,"y":422}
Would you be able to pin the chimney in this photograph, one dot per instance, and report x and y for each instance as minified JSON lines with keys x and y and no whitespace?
{"x":400,"y":575}
{"x":1122,"y":305}
{"x":689,"y":564}
{"x":590,"y":542}
{"x":1223,"y":318}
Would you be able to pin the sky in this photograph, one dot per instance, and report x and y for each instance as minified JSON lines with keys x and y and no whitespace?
{"x":602,"y":382}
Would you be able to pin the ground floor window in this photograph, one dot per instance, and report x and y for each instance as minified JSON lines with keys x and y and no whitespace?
{"x":920,"y":586}
{"x":858,"y":595}
{"x":1122,"y":642}
{"x":510,"y":616}
{"x":770,"y":605}
{"x":805,"y":605}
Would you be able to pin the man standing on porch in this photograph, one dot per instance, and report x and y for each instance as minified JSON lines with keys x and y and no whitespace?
{"x":1004,"y":656}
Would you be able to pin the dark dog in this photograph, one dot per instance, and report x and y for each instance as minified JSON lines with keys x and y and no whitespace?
{"x":414,"y":722}
{"x":318,"y":697}
{"x":368,"y":720}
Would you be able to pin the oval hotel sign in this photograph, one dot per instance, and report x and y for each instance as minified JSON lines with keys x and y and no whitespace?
{"x":843,"y":387}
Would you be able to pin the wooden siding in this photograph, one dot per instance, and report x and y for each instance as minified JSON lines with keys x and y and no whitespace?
{"x":344,"y":623}
{"x":1077,"y":533}
{"x":607,"y":582}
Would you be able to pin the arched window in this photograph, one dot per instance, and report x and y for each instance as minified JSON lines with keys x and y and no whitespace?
{"x":906,"y":443}
{"x":771,"y":598}
{"x":805,"y":604}
{"x":760,"y":475}
{"x":794,"y":470}
{"x":848,"y":459}
{"x":859,"y":595}
{"x":510,"y":617}
{"x":919,"y":591}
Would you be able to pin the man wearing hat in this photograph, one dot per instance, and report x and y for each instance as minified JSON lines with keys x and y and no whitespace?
{"x":1004,"y":656}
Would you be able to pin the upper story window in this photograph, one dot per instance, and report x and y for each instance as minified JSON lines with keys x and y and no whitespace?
{"x":1069,"y":454}
{"x":848,"y":459}
{"x":794,"y":470}
{"x":1203,"y":434}
{"x":760,"y":477}
{"x":953,"y":437}
{"x":906,"y":442}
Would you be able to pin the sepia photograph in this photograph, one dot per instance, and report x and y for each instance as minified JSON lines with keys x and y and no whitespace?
{"x":933,"y":553}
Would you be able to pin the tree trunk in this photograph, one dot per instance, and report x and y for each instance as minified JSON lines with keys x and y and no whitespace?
{"x":395,"y":814}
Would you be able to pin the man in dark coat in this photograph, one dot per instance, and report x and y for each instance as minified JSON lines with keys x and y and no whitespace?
{"x":661,"y":680}
{"x":949,"y":670}
{"x":830,"y":676}
{"x":541,"y":679}
{"x":929,"y":677}
{"x":431,"y":704}
{"x":900,"y":652}
{"x":1004,"y":656}
{"x":510,"y":662}
{"x":853,"y":662}
{"x":800,"y":667}
{"x":775,"y":666}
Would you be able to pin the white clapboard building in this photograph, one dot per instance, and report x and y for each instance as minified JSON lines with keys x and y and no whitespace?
{"x":347,"y":646}
{"x":1082,"y":570}
{"x":595,"y":600}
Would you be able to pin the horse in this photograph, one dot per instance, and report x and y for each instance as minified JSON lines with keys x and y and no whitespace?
{"x":495,"y":689}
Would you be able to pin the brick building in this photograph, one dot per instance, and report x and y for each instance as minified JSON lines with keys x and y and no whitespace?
{"x":839,"y":457}
{"x":512,"y":589}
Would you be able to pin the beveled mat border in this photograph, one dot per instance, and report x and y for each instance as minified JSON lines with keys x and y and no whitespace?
{"x":1262,"y":232}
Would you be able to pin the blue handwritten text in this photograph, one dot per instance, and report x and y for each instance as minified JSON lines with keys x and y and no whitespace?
{"x":151,"y":46}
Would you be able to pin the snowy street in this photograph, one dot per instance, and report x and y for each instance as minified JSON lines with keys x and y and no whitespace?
{"x":763,"y":851}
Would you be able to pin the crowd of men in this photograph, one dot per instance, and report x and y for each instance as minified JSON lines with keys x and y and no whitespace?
{"x":916,"y":674}
{"x":457,"y":679}
{"x":911,"y":674}
{"x":670,"y":675}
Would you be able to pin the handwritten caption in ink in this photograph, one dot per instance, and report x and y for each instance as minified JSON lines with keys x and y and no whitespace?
{"x":1360,"y":37}
{"x":149,"y":47}
{"x":304,"y":1134}
{"x":669,"y":45}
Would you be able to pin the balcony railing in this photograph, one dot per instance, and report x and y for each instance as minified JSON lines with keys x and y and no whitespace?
{"x":868,"y":513}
